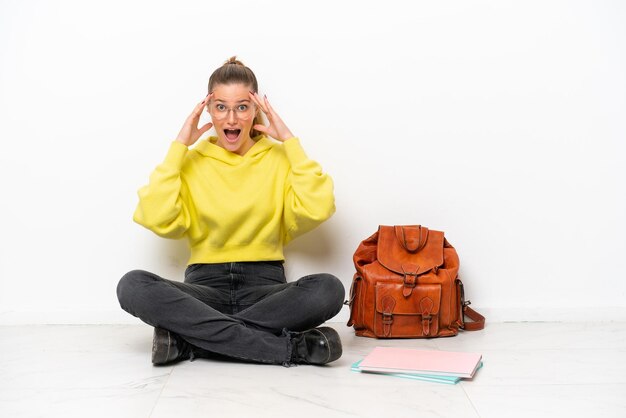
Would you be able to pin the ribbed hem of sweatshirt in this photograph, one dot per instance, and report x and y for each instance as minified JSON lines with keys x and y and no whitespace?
{"x":294,"y":151}
{"x":233,"y":253}
{"x":176,"y":155}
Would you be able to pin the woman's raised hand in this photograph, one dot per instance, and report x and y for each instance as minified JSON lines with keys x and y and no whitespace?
{"x":277,"y":128}
{"x":190,"y":132}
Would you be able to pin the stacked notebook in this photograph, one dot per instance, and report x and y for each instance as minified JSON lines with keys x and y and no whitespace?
{"x":433,"y":366}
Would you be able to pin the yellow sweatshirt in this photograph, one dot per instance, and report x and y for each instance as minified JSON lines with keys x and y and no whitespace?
{"x":232,"y":207}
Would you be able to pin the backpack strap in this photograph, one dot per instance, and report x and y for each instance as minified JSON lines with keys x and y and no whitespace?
{"x":477,"y":320}
{"x":355,"y":281}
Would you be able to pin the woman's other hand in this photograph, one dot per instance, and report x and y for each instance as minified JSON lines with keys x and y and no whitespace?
{"x":277,"y":128}
{"x":190,"y":132}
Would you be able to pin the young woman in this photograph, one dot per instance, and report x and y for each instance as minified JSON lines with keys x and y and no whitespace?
{"x":238,"y":198}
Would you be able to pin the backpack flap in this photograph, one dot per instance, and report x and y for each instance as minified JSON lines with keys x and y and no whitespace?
{"x":409,"y":251}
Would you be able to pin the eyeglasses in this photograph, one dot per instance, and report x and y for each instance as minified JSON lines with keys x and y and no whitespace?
{"x":242,"y":111}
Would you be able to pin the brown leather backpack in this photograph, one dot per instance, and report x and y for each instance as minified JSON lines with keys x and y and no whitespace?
{"x":406,"y":286}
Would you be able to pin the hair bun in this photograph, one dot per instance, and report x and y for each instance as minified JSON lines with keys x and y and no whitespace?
{"x":233,"y":60}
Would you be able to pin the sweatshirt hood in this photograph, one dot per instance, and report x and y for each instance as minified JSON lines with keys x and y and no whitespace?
{"x":209,"y":148}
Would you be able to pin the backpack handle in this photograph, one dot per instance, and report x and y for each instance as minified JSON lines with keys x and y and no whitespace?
{"x":413,"y":238}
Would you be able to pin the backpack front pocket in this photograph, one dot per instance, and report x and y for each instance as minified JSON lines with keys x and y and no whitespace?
{"x":398,"y":316}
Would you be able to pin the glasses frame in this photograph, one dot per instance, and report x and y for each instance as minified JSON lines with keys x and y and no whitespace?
{"x":251,"y":108}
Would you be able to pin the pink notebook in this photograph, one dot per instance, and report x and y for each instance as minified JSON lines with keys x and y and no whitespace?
{"x":410,"y":360}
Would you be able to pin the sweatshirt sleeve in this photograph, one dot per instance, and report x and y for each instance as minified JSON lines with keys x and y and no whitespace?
{"x":164,"y":205}
{"x":309,"y":195}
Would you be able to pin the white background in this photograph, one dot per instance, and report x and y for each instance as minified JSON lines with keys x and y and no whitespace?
{"x":498,"y":122}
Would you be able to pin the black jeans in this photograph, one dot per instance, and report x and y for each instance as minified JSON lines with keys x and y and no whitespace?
{"x":243,"y":310}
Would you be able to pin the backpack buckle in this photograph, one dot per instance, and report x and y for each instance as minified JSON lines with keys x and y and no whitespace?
{"x":410,"y":278}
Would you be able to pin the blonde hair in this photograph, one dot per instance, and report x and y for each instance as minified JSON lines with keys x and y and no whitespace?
{"x":234,"y":71}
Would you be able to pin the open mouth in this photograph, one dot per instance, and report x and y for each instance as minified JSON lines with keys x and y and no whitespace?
{"x":232,"y":134}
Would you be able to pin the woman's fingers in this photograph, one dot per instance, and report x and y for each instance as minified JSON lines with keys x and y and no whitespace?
{"x":268,"y":106}
{"x":254,"y":99}
{"x":205,"y":128}
{"x":261,"y":128}
{"x":200,"y":106}
{"x":277,"y":128}
{"x":197,"y":111}
{"x":265,"y":106}
{"x":257,"y":100}
{"x":194,"y":117}
{"x":269,"y":111}
{"x":190,"y":132}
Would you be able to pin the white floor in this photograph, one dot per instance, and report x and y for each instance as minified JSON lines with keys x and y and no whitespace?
{"x":530,"y":370}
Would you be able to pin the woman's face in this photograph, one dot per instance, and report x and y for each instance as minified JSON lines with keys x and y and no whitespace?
{"x":232,"y":113}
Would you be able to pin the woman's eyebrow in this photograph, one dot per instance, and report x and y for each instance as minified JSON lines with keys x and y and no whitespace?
{"x":239,"y":101}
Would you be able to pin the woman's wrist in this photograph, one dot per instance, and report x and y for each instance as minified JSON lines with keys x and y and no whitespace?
{"x":286,"y":135}
{"x":182,"y":142}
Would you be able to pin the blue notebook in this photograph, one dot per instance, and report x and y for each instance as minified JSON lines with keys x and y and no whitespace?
{"x":449,"y":380}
